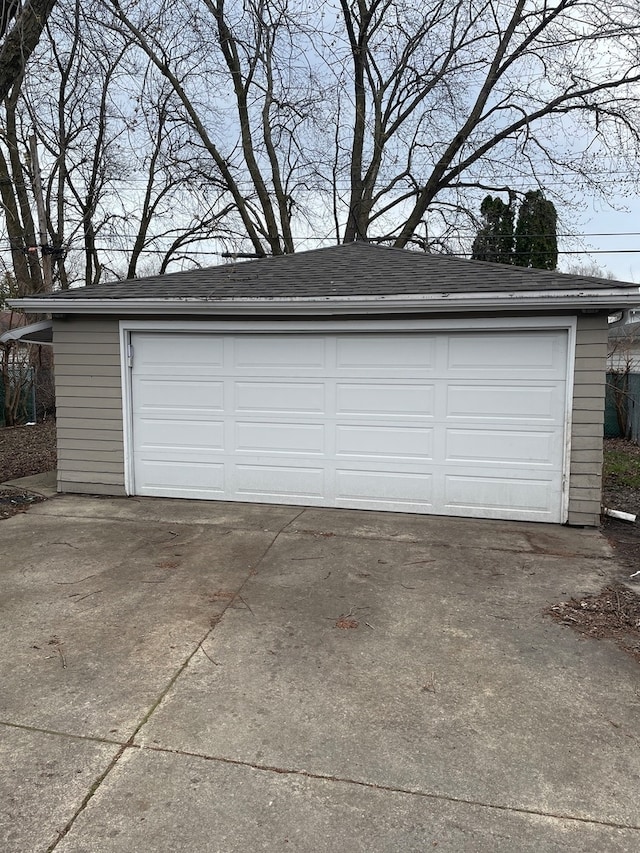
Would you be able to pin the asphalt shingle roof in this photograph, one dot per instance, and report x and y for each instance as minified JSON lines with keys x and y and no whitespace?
{"x":355,"y":269}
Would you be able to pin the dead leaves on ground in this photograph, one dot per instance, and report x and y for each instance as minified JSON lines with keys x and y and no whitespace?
{"x":13,"y":501}
{"x":345,"y":623}
{"x":613,"y":613}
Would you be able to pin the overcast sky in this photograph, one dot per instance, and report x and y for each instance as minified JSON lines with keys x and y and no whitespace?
{"x":624,"y":228}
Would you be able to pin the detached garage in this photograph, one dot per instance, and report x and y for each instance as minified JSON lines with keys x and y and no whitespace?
{"x":354,"y":376}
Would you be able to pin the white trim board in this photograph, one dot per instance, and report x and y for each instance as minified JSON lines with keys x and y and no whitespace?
{"x":604,"y":299}
{"x":269,"y":326}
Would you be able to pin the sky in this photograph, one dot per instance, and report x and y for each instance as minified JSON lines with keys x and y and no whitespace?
{"x":622,"y":230}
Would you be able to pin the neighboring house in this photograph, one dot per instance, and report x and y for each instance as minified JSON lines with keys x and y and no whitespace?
{"x":624,"y":348}
{"x":352,"y":376}
{"x":16,"y":332}
{"x":10,"y":321}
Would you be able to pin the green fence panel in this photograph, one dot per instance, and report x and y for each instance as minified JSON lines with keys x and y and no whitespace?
{"x":632,"y":400}
{"x":28,"y":402}
{"x":634,"y":407}
{"x":611,"y":425}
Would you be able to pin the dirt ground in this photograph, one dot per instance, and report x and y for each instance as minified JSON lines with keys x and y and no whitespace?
{"x":614,"y":613}
{"x":24,"y":450}
{"x":617,"y":495}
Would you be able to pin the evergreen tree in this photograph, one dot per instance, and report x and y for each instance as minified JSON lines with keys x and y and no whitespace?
{"x":536,"y":233}
{"x":494,"y":241}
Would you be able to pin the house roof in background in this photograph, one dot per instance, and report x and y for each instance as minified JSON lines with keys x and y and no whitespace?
{"x":352,"y":272}
{"x":626,"y":331}
{"x":34,"y":333}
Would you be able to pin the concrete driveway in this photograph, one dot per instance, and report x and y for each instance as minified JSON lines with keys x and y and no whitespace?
{"x":185,"y":676}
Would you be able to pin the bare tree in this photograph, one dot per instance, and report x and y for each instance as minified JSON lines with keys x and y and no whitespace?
{"x":15,"y":179}
{"x":435,"y":103}
{"x":16,"y":372}
{"x":63,"y":102}
{"x":180,"y":207}
{"x":264,"y":124}
{"x":125,"y":176}
{"x":20,"y":38}
{"x":587,"y":268}
{"x":266,"y":96}
{"x":460,"y":96}
{"x":83,"y":132}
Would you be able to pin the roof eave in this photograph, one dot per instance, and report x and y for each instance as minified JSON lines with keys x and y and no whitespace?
{"x":606,"y":299}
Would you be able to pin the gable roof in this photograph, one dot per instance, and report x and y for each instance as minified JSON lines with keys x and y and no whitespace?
{"x":358,"y":272}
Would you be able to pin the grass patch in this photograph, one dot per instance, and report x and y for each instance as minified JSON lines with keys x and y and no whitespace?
{"x":622,"y":465}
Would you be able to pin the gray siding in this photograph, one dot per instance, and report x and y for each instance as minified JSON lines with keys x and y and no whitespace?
{"x":587,"y":429}
{"x":89,"y":406}
{"x":89,"y":410}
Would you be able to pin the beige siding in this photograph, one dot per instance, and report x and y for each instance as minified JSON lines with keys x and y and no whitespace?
{"x":89,"y":406}
{"x":585,"y":475}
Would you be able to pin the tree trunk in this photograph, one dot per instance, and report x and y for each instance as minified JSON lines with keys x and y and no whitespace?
{"x":21,"y":41}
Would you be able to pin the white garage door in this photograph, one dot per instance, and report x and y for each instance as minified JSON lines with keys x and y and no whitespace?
{"x":456,"y":424}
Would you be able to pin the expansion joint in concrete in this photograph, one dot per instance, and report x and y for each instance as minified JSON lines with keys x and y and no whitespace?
{"x":392,"y":789}
{"x":88,"y":797}
{"x":130,"y":744}
{"x":56,"y":733}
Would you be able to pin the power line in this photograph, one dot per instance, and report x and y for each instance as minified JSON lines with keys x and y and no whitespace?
{"x":567,"y":235}
{"x":148,"y":250}
{"x":133,"y":237}
{"x":623,"y":177}
{"x":205,"y":252}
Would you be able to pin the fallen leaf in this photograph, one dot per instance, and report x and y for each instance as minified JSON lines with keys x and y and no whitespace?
{"x":343,"y":622}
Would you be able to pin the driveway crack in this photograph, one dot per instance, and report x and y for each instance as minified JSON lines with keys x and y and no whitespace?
{"x":130,"y":743}
{"x":88,"y":796}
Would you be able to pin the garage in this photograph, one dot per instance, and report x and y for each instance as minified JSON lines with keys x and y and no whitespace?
{"x":351,"y":376}
{"x":456,"y":423}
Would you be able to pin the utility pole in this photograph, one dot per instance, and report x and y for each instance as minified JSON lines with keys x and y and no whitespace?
{"x":42,"y":217}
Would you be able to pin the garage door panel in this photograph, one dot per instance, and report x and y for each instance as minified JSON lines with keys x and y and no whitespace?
{"x":193,"y":395}
{"x":388,"y":353}
{"x":388,"y":442}
{"x":389,"y":400}
{"x":279,"y":437}
{"x":269,"y":482}
{"x":179,"y":433}
{"x":497,"y":447}
{"x":183,"y":476}
{"x":289,"y":353}
{"x":384,"y":487}
{"x":278,"y":397}
{"x":504,"y":402}
{"x":517,"y":496}
{"x":537,"y":354}
{"x":198,"y":354}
